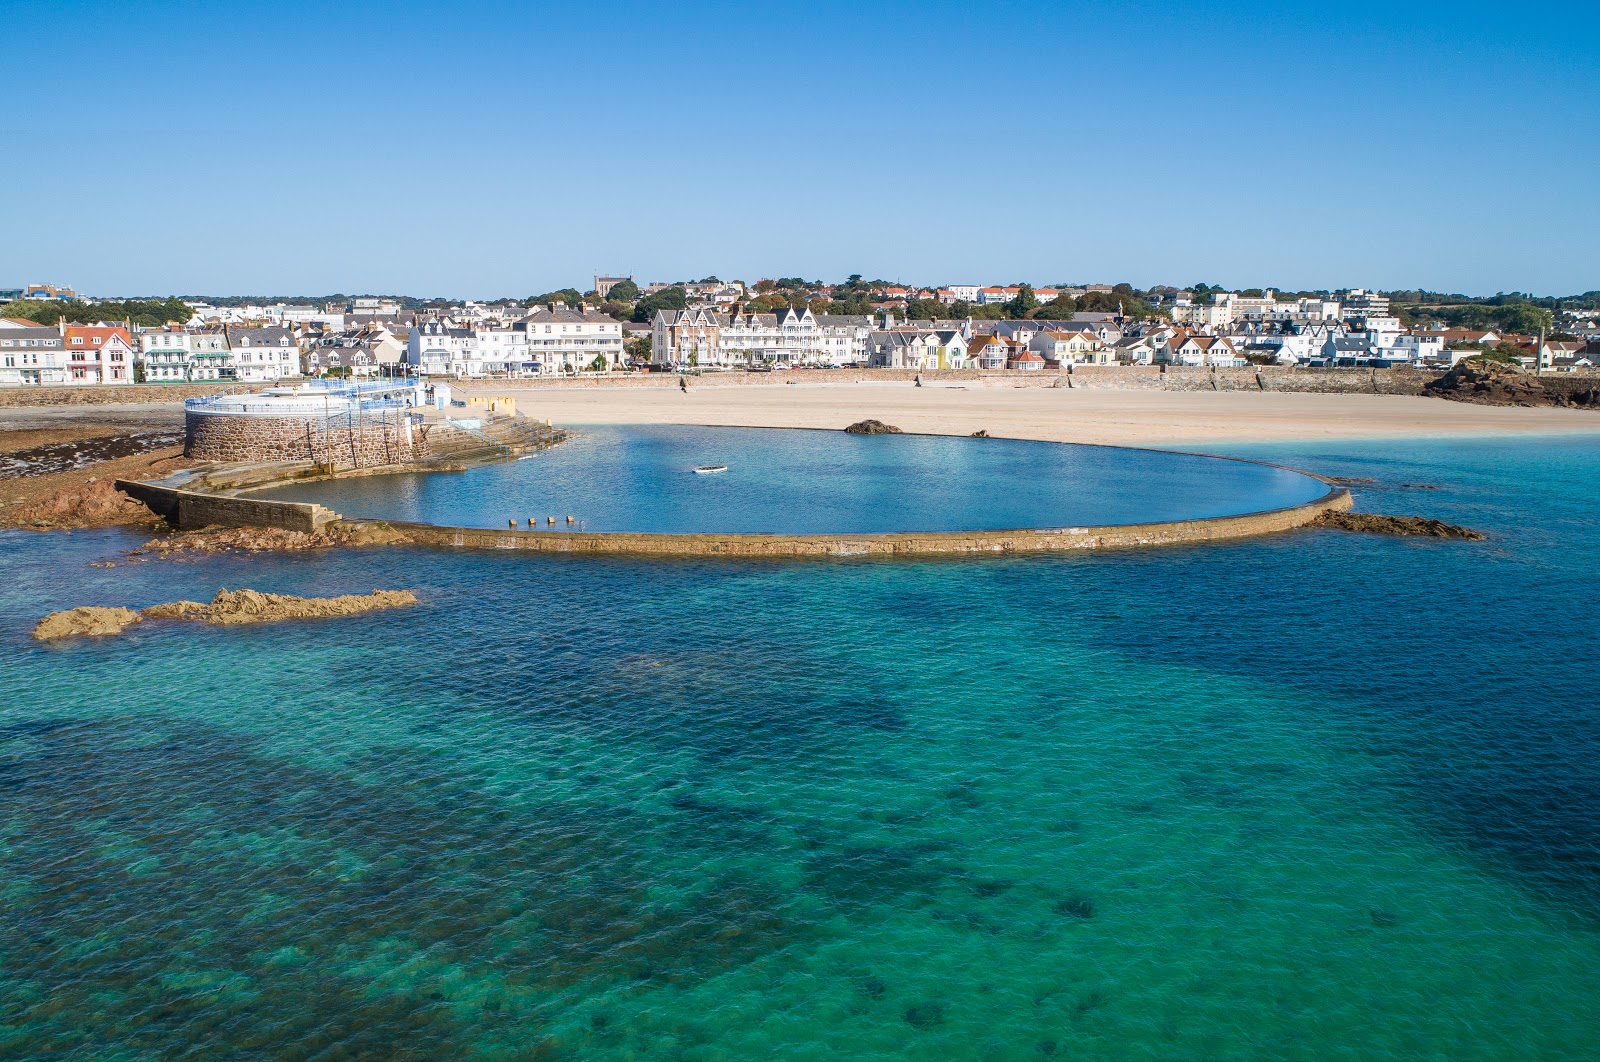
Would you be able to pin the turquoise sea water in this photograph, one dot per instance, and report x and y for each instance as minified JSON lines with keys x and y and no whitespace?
{"x":799,"y":482}
{"x":1314,"y":796}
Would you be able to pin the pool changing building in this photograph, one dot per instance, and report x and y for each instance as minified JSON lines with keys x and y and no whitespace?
{"x":340,"y":426}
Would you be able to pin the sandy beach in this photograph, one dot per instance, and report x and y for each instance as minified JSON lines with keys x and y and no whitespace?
{"x":1134,"y":418}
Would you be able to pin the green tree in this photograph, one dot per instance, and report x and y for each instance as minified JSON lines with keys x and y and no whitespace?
{"x":625,"y":291}
{"x":1024,"y":303}
{"x":673,"y":298}
{"x":1060,"y":308}
{"x":570,"y":296}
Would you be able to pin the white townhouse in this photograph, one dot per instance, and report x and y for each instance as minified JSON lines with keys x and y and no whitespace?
{"x":1200,"y":350}
{"x":843,"y":338}
{"x":960,"y":293}
{"x":564,"y":340}
{"x":503,"y":349}
{"x":439,"y":348}
{"x":31,"y":356}
{"x":164,"y":354}
{"x":786,"y":338}
{"x":261,"y":355}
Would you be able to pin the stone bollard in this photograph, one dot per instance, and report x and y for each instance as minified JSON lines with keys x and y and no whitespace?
{"x":533,"y":523}
{"x":552,"y":520}
{"x":570,"y":520}
{"x":513,"y":523}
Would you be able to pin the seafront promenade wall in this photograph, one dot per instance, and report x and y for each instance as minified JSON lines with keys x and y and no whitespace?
{"x":189,"y":510}
{"x":1116,"y":377}
{"x":110,"y":394}
{"x":922,"y":544}
{"x":1283,"y":378}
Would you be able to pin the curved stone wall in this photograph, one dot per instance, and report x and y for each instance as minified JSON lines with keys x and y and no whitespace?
{"x":920,"y":544}
{"x":247,"y":437}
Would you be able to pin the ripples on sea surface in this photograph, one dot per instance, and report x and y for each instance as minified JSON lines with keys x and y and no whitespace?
{"x":1306,"y":797}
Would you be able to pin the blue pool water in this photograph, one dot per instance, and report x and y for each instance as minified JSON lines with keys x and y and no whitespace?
{"x":1302,"y":797}
{"x":800,"y":482}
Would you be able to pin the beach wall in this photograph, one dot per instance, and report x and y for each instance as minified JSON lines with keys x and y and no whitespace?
{"x":1115,"y":377}
{"x":189,"y":510}
{"x":926,"y":544}
{"x":233,"y":437}
{"x":108,"y":394}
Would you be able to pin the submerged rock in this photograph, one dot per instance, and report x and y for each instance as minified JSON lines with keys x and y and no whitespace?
{"x":925,"y":1015}
{"x":873,"y":427}
{"x":90,"y":620}
{"x":228,"y":608}
{"x":1379,"y":524}
{"x":1080,"y":907}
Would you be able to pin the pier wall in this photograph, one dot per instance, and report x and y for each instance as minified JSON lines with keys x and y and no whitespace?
{"x":190,"y":510}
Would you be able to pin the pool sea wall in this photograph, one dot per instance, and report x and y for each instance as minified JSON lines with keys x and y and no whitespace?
{"x":919,"y":544}
{"x":191,"y":510}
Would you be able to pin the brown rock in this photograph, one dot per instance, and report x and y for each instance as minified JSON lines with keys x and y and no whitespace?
{"x":90,"y":620}
{"x":1492,"y":383}
{"x":228,"y":608}
{"x":231,"y":608}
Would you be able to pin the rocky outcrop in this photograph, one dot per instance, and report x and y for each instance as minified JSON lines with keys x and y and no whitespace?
{"x":1495,"y":383}
{"x":88,"y":620}
{"x":873,"y":427}
{"x":344,"y":533}
{"x":1378,"y":524}
{"x":229,"y":608}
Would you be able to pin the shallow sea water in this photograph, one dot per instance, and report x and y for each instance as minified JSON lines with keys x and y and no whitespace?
{"x":1315,"y":796}
{"x":788,"y":481}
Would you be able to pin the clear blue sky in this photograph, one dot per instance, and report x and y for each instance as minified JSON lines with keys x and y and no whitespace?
{"x":488,"y":149}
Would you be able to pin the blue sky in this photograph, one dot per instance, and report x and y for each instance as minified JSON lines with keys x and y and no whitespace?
{"x":489,"y":149}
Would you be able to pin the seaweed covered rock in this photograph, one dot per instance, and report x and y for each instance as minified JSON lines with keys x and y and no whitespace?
{"x":1379,"y":524}
{"x":873,"y":427}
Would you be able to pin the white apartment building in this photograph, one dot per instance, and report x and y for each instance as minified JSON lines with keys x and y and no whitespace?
{"x":788,"y":337}
{"x":31,"y":357}
{"x":843,"y":338}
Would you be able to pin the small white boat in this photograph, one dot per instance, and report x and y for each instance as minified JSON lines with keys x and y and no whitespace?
{"x":706,"y":470}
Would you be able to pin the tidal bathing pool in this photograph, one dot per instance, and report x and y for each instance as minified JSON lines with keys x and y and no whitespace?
{"x":795,"y":482}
